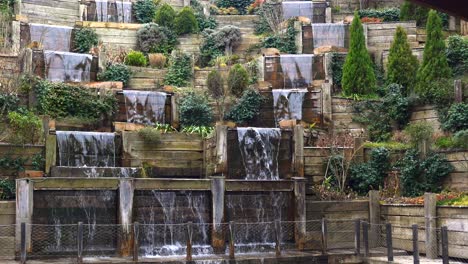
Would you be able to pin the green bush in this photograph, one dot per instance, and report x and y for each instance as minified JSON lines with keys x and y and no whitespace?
{"x":358,"y":74}
{"x":439,"y":92}
{"x":218,"y":43}
{"x":286,"y":43}
{"x":84,"y":39}
{"x":247,"y":109}
{"x":434,"y":66}
{"x":215,"y":84}
{"x":457,"y":54}
{"x":410,"y":11}
{"x":402,"y":64}
{"x":64,"y":100}
{"x":445,"y":142}
{"x":336,"y":68}
{"x":26,"y":127}
{"x":195,"y":111}
{"x":457,"y":118}
{"x":461,"y":139}
{"x":238,"y":80}
{"x":370,"y":176}
{"x":144,"y":11}
{"x":165,"y":16}
{"x":387,"y":15}
{"x":152,"y":38}
{"x":136,"y":58}
{"x":186,"y":22}
{"x":203,"y":21}
{"x":422,"y":175}
{"x":240,"y":5}
{"x":419,"y":132}
{"x":179,"y":71}
{"x":7,"y":189}
{"x":8,"y":102}
{"x":116,"y":73}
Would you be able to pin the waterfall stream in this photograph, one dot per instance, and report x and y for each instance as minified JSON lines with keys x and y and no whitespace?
{"x":298,"y":9}
{"x":259,"y":149}
{"x":287,"y":104}
{"x":82,"y":149}
{"x":124,"y":12}
{"x":55,"y":38}
{"x":328,"y":34}
{"x":101,"y":10}
{"x":145,"y":107}
{"x":297,"y":70}
{"x":67,"y":67}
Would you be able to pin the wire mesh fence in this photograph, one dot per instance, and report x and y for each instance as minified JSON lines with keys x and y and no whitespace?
{"x":7,"y":241}
{"x":389,"y":242}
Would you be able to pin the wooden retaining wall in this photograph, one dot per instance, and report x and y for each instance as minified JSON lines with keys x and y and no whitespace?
{"x":427,"y":113}
{"x":247,"y":24}
{"x":458,"y":179}
{"x":63,"y":12}
{"x":145,"y":78}
{"x":7,"y":233}
{"x":176,"y":155}
{"x":315,"y":160}
{"x":15,"y":151}
{"x":342,"y":116}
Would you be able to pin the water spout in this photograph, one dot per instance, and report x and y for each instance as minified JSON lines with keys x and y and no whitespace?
{"x":328,"y":34}
{"x":287,"y":104}
{"x":145,"y":107}
{"x":86,"y":149}
{"x":259,"y":149}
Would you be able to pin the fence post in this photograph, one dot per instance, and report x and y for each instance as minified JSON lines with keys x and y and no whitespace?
{"x":430,"y":211}
{"x":278,"y":238}
{"x":374,"y":218}
{"x":136,"y":234}
{"x":231,"y":240}
{"x":324,"y":236}
{"x":218,"y":239}
{"x":365,"y":236}
{"x":357,"y":236}
{"x":189,"y":241}
{"x":445,"y":250}
{"x":415,"y":245}
{"x":23,"y":243}
{"x":80,"y":242}
{"x":388,"y":228}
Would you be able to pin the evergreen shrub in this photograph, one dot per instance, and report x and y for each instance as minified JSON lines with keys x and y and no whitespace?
{"x":116,"y":73}
{"x":195,"y":111}
{"x":247,"y":109}
{"x":84,"y":39}
{"x":152,"y":38}
{"x":238,"y":80}
{"x":144,"y":10}
{"x":165,"y":16}
{"x":186,"y":22}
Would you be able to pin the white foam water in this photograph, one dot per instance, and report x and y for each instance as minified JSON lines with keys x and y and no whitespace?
{"x":287,"y":103}
{"x":297,"y":70}
{"x":67,"y":66}
{"x":145,"y":107}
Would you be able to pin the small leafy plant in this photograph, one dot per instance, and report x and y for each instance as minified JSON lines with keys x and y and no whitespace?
{"x":195,"y":111}
{"x":238,"y":80}
{"x":179,"y":71}
{"x":186,"y":22}
{"x":136,"y":58}
{"x":117,"y":73}
{"x":26,"y":127}
{"x":247,"y":109}
{"x":150,"y":135}
{"x":144,"y":10}
{"x":203,"y":131}
{"x":7,"y":189}
{"x":84,"y":39}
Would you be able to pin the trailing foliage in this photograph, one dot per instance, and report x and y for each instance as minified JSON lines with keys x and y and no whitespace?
{"x":402,"y":64}
{"x":285,"y":43}
{"x":461,"y":139}
{"x":457,"y":54}
{"x":434,"y":66}
{"x":358,"y":74}
{"x":195,"y":111}
{"x":136,"y":58}
{"x":64,"y":100}
{"x":422,"y":175}
{"x":203,"y":131}
{"x":456,"y":118}
{"x":150,"y":135}
{"x":8,"y":102}
{"x":238,"y":80}
{"x":204,"y":22}
{"x":152,"y":38}
{"x":186,"y":22}
{"x":179,"y":71}
{"x":116,"y":73}
{"x":240,"y":5}
{"x":419,"y":132}
{"x":84,"y":39}
{"x":26,"y":127}
{"x":370,"y":176}
{"x":336,"y":68}
{"x":165,"y":16}
{"x":387,"y":15}
{"x":144,"y":10}
{"x":247,"y":109}
{"x":379,"y":115}
{"x":9,"y":163}
{"x":38,"y":162}
{"x":7,"y":189}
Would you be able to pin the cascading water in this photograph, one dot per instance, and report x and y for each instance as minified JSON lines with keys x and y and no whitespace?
{"x":254,"y":216}
{"x":121,"y":172}
{"x":55,"y":38}
{"x":93,"y":149}
{"x":124,"y":11}
{"x":67,"y":67}
{"x":145,"y":107}
{"x":298,"y":9}
{"x":287,"y":104}
{"x":164,"y":216}
{"x":102,"y":10}
{"x":328,"y":34}
{"x":259,"y":149}
{"x":297,"y":70}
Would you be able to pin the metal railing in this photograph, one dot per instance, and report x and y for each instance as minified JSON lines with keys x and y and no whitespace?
{"x":361,"y":238}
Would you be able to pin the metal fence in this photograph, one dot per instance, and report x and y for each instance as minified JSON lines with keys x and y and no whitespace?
{"x":380,"y":241}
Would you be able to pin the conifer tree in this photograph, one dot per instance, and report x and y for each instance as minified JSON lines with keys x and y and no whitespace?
{"x":434,"y":66}
{"x":402,"y":64}
{"x":358,"y":73}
